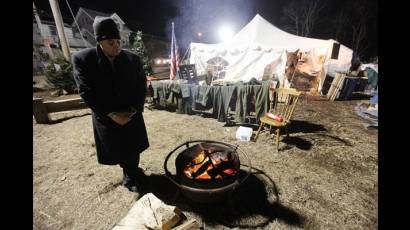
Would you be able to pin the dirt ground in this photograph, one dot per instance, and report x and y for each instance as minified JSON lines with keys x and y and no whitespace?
{"x":323,"y":177}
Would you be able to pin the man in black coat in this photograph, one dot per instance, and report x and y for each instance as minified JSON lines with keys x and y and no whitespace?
{"x":112,"y":83}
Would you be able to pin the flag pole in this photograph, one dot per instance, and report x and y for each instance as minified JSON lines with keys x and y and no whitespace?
{"x":174,"y":56}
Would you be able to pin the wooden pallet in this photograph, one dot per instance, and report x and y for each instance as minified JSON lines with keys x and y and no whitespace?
{"x":336,"y":86}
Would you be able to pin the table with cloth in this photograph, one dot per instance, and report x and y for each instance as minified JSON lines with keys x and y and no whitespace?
{"x":239,"y":99}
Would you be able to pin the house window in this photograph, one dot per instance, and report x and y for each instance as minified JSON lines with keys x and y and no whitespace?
{"x":53,"y":30}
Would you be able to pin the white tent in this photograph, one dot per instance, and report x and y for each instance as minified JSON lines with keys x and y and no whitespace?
{"x":260,"y":43}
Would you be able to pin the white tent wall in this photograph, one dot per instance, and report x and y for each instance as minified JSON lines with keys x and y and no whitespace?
{"x":245,"y":63}
{"x":319,"y":61}
{"x":343,"y":62}
{"x":260,"y":43}
{"x":250,"y":64}
{"x":279,"y":70}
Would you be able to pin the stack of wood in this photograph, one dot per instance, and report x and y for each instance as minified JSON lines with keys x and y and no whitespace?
{"x":336,"y":86}
{"x":149,"y":212}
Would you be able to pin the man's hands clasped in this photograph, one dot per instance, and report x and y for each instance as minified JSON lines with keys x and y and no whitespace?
{"x":121,"y":118}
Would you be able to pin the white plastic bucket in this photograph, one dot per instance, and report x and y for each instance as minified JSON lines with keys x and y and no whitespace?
{"x":244,"y":133}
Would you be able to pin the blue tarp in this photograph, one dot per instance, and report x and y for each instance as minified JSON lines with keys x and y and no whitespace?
{"x":375,"y":99}
{"x":348,"y":87}
{"x":369,"y":113}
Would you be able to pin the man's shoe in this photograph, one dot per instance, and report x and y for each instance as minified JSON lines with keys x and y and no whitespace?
{"x":132,"y":188}
{"x":140,"y":177}
{"x":130,"y":184}
{"x":127,"y":180}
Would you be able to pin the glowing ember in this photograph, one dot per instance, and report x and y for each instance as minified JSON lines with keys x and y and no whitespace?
{"x":210,"y":164}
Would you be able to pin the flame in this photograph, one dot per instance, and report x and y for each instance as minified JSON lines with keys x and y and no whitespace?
{"x":200,"y":159}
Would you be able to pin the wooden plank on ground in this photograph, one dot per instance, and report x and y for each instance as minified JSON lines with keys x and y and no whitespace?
{"x":40,"y":111}
{"x":64,"y":105}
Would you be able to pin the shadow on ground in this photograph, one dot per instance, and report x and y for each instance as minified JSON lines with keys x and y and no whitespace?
{"x":359,"y":96}
{"x":319,"y":138}
{"x":56,"y":121}
{"x":311,"y":134}
{"x":254,"y":204}
{"x":298,"y":126}
{"x":298,"y":142}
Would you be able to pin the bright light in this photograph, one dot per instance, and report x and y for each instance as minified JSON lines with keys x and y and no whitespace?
{"x":225,"y":33}
{"x":158,"y":61}
{"x":199,"y":34}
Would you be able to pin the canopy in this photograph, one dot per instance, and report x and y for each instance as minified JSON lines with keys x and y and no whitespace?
{"x":261,"y":46}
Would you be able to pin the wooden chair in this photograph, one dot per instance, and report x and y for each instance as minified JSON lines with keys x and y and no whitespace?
{"x":282,"y":102}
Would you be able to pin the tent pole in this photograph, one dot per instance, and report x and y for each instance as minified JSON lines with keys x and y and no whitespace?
{"x":188,"y":49}
{"x":291,"y":84}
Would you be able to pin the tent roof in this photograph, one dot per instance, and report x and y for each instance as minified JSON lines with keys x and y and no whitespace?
{"x":260,"y":31}
{"x":260,"y":43}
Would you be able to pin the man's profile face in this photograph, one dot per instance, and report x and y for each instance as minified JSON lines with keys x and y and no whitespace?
{"x":111,"y":47}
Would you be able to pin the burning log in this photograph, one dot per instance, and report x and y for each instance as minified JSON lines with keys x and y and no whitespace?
{"x":210,"y":164}
{"x":221,"y":161}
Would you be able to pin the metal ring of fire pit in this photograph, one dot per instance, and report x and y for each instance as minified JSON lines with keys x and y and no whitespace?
{"x":223,"y":189}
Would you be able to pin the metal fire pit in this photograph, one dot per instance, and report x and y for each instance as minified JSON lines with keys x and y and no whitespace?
{"x":206,"y":191}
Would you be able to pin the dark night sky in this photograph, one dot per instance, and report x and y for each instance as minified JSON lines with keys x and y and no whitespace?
{"x":189,"y":16}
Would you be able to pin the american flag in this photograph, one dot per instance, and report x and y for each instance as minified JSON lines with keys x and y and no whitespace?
{"x":174,"y":68}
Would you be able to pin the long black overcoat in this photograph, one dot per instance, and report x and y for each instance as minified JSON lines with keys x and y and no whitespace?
{"x":106,"y":88}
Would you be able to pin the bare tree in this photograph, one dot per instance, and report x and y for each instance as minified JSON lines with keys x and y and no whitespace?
{"x":357,"y":23}
{"x":311,"y":14}
{"x":302,"y":17}
{"x":291,"y":14}
{"x":339,"y":25}
{"x":359,"y":35}
{"x":350,"y":22}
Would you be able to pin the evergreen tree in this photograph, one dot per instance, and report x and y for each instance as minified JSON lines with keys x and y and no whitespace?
{"x":59,"y":74}
{"x":139,"y":48}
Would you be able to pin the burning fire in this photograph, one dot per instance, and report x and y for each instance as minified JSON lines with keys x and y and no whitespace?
{"x":210,"y":164}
